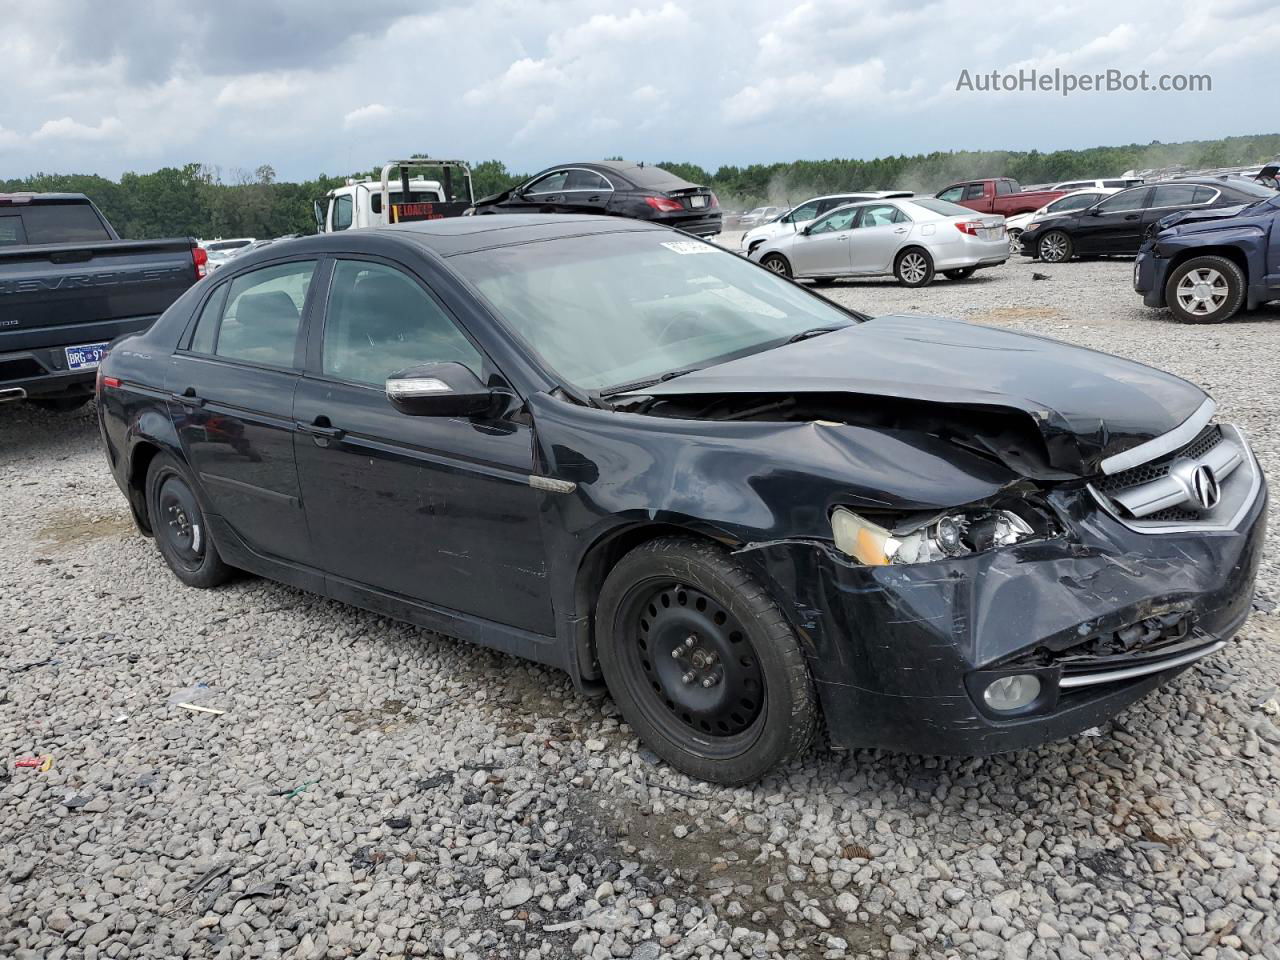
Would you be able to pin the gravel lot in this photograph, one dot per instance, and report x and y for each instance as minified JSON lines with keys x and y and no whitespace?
{"x":374,"y":790}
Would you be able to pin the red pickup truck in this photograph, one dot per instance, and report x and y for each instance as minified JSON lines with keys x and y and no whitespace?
{"x":1001,"y":195}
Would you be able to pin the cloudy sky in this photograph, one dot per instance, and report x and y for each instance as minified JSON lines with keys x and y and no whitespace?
{"x":313,"y":86}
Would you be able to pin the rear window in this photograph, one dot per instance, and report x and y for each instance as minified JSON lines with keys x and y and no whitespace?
{"x":63,"y":223}
{"x":943,"y":207}
{"x":11,"y":231}
{"x":1250,"y":189}
{"x":655,"y":178}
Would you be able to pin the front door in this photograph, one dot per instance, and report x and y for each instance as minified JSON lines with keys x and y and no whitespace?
{"x":1114,"y":225}
{"x":231,"y":395}
{"x":824,"y":249}
{"x":437,"y":510}
{"x":544,"y":195}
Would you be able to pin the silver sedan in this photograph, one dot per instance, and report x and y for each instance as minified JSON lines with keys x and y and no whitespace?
{"x":908,"y":239}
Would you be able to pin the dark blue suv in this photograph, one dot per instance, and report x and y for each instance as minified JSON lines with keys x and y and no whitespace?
{"x":1206,"y":266}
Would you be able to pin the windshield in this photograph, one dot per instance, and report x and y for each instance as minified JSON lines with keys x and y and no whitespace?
{"x":608,"y":309}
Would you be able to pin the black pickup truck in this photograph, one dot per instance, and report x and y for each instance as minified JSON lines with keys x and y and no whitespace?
{"x":69,"y":286}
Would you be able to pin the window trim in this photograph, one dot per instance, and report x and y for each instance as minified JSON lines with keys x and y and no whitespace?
{"x":1149,"y":195}
{"x":566,"y":171}
{"x":1183,"y":206}
{"x":313,"y":368}
{"x":223,"y":288}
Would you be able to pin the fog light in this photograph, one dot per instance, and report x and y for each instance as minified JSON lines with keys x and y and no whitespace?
{"x":1012,"y":693}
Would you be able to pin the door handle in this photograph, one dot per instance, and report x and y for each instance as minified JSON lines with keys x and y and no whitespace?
{"x":900,"y":230}
{"x":189,"y":398}
{"x":842,"y":236}
{"x":1134,"y":216}
{"x":322,"y":431}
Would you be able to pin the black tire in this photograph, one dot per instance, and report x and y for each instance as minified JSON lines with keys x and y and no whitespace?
{"x":1218,"y":280}
{"x":1055,"y":247}
{"x":179,"y":527}
{"x":759,"y":709}
{"x":964,"y":273}
{"x":777,"y":263}
{"x":913,"y":267}
{"x":60,"y":404}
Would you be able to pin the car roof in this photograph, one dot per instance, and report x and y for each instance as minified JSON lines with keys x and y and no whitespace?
{"x":30,"y":197}
{"x":457,"y":235}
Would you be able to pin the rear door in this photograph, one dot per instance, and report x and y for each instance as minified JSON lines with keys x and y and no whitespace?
{"x":824,"y":250}
{"x":438,"y":510}
{"x":1170,"y":198}
{"x":1113,"y":226}
{"x":877,"y":237}
{"x":586,"y":191}
{"x":231,"y":388}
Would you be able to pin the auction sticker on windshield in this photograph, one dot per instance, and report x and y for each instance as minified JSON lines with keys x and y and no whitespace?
{"x":689,"y":246}
{"x":86,"y":356}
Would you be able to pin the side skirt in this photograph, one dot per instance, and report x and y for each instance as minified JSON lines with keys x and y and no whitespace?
{"x":486,"y":633}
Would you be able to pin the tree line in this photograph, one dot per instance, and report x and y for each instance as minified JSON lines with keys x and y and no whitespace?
{"x":197,"y":200}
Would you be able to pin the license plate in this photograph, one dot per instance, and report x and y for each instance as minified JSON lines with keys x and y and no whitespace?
{"x":86,"y":356}
{"x":697,"y":201}
{"x":990,"y":233}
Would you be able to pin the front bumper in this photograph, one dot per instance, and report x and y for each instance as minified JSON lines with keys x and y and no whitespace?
{"x":1150,"y":273}
{"x":900,"y":654}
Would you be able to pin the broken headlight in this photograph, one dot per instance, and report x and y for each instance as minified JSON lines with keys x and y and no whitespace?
{"x":953,"y":534}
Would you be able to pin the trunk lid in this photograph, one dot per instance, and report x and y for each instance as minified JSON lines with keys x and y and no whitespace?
{"x":1086,"y":405}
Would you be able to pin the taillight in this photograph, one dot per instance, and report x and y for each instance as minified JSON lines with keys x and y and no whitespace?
{"x":715,"y":201}
{"x":971,"y":227}
{"x":664,"y":204}
{"x":104,"y":381}
{"x":200,"y":257}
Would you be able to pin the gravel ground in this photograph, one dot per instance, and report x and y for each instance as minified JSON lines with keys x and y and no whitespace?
{"x":374,"y":790}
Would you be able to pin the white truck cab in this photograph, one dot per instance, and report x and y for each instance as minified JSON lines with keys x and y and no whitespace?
{"x":397,"y":197}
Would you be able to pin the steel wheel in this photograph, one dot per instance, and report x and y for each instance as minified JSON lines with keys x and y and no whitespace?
{"x":1055,"y":247}
{"x":180,"y":522}
{"x":698,"y":670}
{"x":179,"y":527}
{"x":1202,"y":292}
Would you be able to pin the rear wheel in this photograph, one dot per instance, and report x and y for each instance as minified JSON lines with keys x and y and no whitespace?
{"x":777,"y":263}
{"x":702,"y":662}
{"x":913,"y":268}
{"x":1206,"y":290}
{"x":60,"y":404}
{"x":1055,"y":247}
{"x":964,"y":273}
{"x":179,"y":527}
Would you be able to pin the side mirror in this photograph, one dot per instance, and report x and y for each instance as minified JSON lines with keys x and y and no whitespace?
{"x":440,"y":390}
{"x":1095,"y":211}
{"x":806,"y":229}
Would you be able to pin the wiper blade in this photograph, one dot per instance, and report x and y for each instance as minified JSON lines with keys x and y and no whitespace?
{"x":647,"y":382}
{"x":813,"y":332}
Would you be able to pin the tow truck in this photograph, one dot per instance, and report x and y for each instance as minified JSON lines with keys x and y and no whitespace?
{"x":420,"y":188}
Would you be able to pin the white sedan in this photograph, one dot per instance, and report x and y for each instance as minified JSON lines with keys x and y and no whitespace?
{"x":1076,"y":200}
{"x":803,"y":214}
{"x":908,"y":239}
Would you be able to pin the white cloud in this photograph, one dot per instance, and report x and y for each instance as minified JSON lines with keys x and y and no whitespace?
{"x":68,"y":129}
{"x":260,"y":88}
{"x":368,"y":114}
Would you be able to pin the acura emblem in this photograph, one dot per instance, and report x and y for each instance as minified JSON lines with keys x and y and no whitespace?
{"x":1204,"y":487}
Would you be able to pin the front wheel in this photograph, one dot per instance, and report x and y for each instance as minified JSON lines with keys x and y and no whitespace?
{"x":913,"y":268}
{"x":1206,"y":290}
{"x":179,"y":527}
{"x":1015,"y":241}
{"x":777,"y":263}
{"x":1055,"y":247}
{"x":702,"y":663}
{"x":964,"y":273}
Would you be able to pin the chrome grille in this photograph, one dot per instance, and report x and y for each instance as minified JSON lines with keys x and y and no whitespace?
{"x":1207,"y":483}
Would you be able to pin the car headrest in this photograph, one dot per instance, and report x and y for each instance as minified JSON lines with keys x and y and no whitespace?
{"x":267,"y":310}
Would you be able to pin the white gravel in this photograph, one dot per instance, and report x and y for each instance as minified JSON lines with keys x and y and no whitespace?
{"x":373,"y":790}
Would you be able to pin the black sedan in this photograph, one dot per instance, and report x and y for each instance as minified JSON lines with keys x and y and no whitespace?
{"x":1119,"y":224}
{"x":614,"y":188}
{"x":629,"y":454}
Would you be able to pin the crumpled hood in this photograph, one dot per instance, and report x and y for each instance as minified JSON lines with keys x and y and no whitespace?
{"x":1086,"y":405}
{"x":1187,"y":218}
